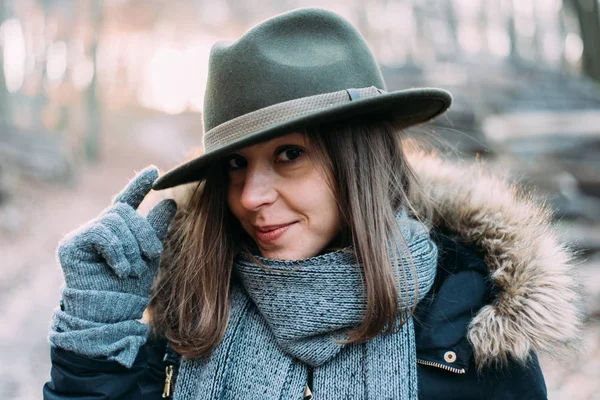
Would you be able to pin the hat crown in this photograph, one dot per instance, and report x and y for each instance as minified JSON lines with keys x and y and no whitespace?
{"x":297,"y":54}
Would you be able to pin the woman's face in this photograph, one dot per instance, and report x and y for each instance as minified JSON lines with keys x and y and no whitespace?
{"x":281,"y":198}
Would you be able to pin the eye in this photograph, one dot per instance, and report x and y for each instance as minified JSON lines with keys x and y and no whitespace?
{"x":236,"y":162}
{"x":289,"y":153}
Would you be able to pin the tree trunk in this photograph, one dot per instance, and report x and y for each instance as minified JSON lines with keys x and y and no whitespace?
{"x":92,"y":137}
{"x":589,"y":22}
{"x":5,"y":117}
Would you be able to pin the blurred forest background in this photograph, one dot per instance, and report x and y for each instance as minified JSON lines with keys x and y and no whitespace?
{"x":92,"y":90}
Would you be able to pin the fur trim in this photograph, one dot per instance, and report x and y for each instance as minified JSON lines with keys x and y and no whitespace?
{"x":536,"y":306}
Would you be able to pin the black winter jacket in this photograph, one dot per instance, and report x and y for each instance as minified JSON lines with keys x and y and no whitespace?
{"x":446,"y":365}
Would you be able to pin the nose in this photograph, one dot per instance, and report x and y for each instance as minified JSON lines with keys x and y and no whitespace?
{"x":259,"y":188}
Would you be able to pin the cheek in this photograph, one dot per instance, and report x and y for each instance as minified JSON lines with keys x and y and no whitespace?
{"x":331,"y":217}
{"x":233,"y":201}
{"x":323,"y":208}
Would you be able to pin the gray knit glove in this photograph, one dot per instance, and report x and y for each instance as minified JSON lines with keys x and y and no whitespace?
{"x":109,"y":265}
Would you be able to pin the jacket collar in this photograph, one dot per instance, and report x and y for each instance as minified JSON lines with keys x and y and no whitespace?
{"x":442,"y":318}
{"x":534,"y":307}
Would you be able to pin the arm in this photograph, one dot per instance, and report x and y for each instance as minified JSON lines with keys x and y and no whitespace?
{"x":109,"y":265}
{"x":72,"y":375}
{"x":520,"y":381}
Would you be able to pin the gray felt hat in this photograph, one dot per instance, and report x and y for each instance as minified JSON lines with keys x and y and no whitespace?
{"x":303,"y":68}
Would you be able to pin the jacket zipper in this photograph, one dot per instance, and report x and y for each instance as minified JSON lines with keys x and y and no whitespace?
{"x":459,"y":371}
{"x":308,"y":394}
{"x":171,"y":359}
{"x":168,"y":390}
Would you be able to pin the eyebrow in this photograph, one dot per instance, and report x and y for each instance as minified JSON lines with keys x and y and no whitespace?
{"x":301,"y":141}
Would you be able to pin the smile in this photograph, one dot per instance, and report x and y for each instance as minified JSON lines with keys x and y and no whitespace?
{"x":272,"y":234}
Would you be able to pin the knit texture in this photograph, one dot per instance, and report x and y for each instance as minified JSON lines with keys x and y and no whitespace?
{"x":109,"y":265}
{"x":283,"y":320}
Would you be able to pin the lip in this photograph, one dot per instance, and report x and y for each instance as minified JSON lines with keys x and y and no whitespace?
{"x":270,"y":233}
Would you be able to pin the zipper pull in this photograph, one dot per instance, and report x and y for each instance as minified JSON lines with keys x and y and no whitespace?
{"x":307,"y":393}
{"x":168,"y":377}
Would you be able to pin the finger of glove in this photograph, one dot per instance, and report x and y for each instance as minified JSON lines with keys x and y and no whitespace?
{"x":75,"y":247}
{"x":138,"y":187}
{"x":129,"y":243}
{"x":107,"y":245}
{"x":161,"y":216}
{"x":146,"y":238}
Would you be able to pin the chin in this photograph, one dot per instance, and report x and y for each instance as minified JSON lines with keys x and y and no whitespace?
{"x":281,"y":255}
{"x":288,"y":254}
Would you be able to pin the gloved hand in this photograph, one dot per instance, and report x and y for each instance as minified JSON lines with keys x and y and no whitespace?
{"x":119,"y":251}
{"x":109,"y":266}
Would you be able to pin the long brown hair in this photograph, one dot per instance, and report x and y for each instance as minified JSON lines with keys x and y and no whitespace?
{"x":370,"y":179}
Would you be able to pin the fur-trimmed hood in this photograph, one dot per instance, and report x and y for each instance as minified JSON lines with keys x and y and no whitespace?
{"x":536,"y":308}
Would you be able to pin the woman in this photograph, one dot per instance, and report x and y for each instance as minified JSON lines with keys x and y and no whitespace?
{"x":311,"y":253}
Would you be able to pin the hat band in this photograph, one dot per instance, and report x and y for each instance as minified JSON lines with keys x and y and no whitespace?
{"x":258,"y":120}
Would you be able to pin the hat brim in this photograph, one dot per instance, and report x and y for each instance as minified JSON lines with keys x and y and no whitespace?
{"x":409,"y":107}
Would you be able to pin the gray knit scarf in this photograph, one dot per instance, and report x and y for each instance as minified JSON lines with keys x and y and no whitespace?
{"x":283,"y":320}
